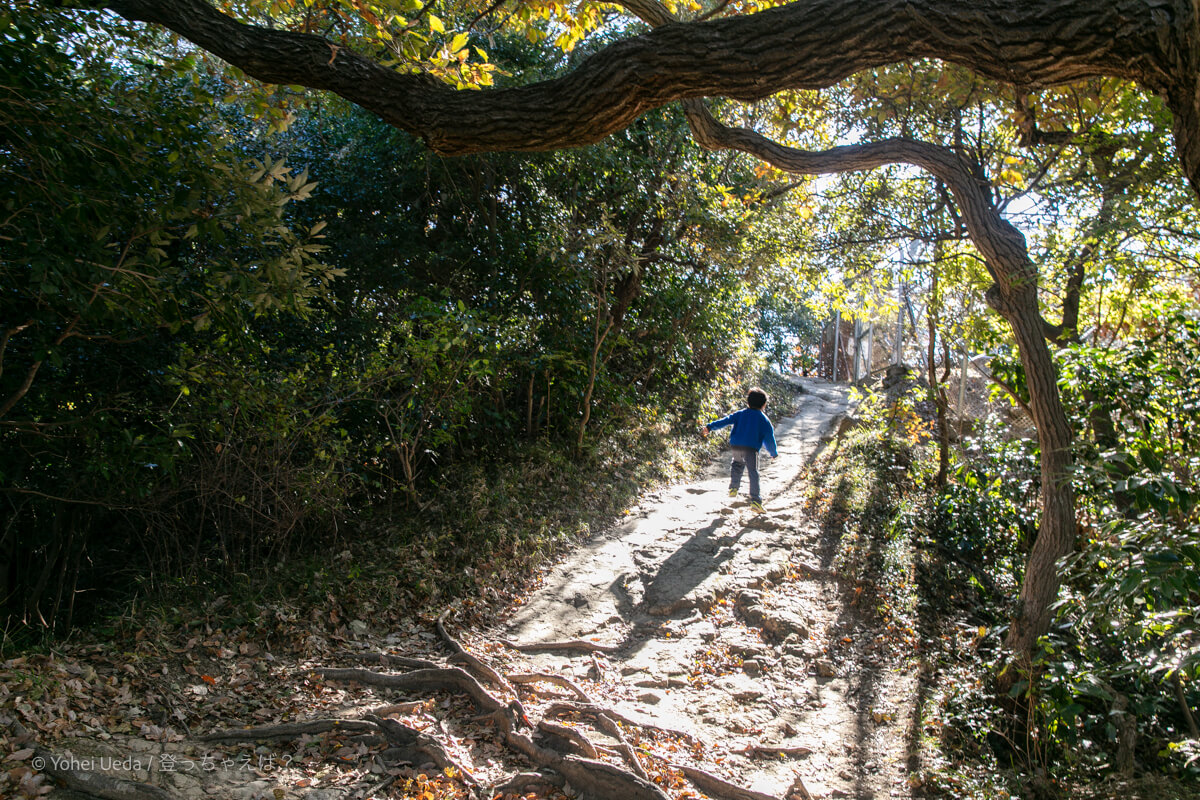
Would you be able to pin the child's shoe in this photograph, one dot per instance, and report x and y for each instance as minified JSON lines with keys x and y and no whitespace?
{"x":756,"y":506}
{"x":733,"y":492}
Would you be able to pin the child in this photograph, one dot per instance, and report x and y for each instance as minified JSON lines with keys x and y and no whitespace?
{"x":751,"y":430}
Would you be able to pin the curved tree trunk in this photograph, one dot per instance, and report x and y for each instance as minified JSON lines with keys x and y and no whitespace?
{"x":1056,"y":530}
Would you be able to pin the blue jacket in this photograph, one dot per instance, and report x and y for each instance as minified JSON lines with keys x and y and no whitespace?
{"x":751,"y":428}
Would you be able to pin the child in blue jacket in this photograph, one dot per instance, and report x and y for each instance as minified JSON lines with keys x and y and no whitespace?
{"x":751,"y":431}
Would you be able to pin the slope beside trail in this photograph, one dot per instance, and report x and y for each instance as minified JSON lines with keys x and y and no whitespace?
{"x":731,"y":627}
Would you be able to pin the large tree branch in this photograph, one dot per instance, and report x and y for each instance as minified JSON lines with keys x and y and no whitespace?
{"x":805,"y":44}
{"x":1002,"y":246}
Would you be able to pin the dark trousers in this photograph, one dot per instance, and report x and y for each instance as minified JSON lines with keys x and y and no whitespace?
{"x":744,"y":458}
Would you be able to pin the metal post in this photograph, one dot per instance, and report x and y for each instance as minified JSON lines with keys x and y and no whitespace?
{"x":837,"y":342}
{"x":857,"y":348}
{"x":962,"y":381}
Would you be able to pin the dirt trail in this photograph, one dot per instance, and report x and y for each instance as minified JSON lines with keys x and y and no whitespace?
{"x":732,"y":627}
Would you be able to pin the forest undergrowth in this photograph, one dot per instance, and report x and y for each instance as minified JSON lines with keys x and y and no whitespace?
{"x":937,"y":570}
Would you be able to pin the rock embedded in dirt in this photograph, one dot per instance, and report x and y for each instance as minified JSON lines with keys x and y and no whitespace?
{"x":741,"y":687}
{"x":783,"y":623}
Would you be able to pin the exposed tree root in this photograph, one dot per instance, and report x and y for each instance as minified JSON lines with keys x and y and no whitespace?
{"x":605,"y":721}
{"x":411,"y":745}
{"x":288,"y":730}
{"x":97,"y":784}
{"x":462,"y":654}
{"x":755,"y":750}
{"x":588,"y":709}
{"x":557,"y":680}
{"x":718,"y":786}
{"x":450,"y":679}
{"x":477,"y":664}
{"x":586,"y":773}
{"x":593,"y":778}
{"x":526,"y":782}
{"x":389,"y":660}
{"x":572,"y":644}
{"x":577,"y":738}
{"x":402,"y":708}
{"x":603,"y":781}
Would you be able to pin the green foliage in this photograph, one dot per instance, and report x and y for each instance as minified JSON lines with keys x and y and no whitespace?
{"x":788,"y":333}
{"x":1131,"y":610}
{"x":130,"y":223}
{"x":987,"y":514}
{"x":188,"y":392}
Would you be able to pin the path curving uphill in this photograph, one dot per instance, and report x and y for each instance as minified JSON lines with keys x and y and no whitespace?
{"x":731,"y":627}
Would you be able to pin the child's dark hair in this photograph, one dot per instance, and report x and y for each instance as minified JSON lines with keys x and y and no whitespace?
{"x":757,"y":398}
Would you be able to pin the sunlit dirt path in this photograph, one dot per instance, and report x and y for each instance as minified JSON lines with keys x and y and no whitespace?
{"x":731,"y":627}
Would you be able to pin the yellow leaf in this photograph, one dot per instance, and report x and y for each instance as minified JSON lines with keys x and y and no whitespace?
{"x":435,"y":24}
{"x":458,"y":42}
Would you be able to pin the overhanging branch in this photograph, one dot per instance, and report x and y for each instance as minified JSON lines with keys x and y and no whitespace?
{"x":805,"y":44}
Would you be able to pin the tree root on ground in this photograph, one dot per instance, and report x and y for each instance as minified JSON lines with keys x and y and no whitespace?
{"x":557,"y":680}
{"x":572,"y":644}
{"x":561,"y":707}
{"x":389,"y":660}
{"x":289,"y":730}
{"x":755,"y":750}
{"x":409,"y":745}
{"x":718,"y":786}
{"x":461,"y":654}
{"x":96,"y":784}
{"x":525,"y":782}
{"x":606,"y":722}
{"x":571,"y":736}
{"x":563,"y":755}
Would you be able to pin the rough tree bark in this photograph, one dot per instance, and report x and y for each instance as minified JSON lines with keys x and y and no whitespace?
{"x":804,"y":44}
